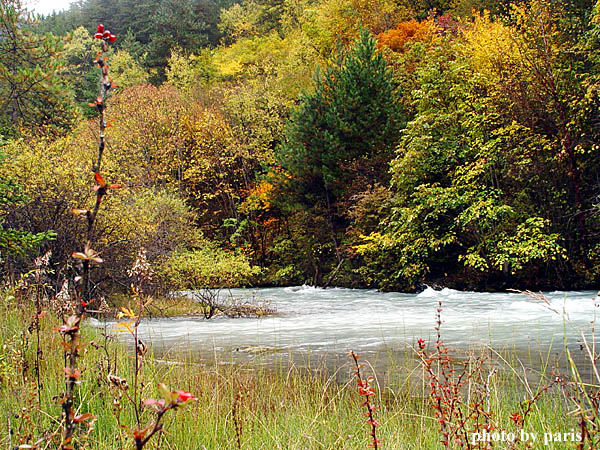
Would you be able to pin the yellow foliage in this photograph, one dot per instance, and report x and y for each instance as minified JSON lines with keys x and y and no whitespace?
{"x":146,"y":139}
{"x":259,"y":198}
{"x":126,"y":312}
{"x":241,"y":57}
{"x":187,"y":71}
{"x":334,"y":21}
{"x":56,"y":176}
{"x":125,"y":327}
{"x":491,"y":48}
{"x":240,"y":20}
{"x":125,"y":71}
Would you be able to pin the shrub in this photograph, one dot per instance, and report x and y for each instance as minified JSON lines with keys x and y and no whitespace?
{"x":207,"y":267}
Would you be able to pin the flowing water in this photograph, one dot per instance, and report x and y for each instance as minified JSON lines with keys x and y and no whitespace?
{"x":322,"y":325}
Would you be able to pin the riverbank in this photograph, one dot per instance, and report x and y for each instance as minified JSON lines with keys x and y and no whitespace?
{"x":207,"y":303}
{"x":253,"y":407}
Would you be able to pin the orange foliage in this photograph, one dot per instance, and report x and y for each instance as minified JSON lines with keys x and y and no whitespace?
{"x":259,"y":198}
{"x":408,"y":31}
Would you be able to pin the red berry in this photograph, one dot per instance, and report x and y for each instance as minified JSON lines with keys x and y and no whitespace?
{"x":112,"y":38}
{"x":100,"y":28}
{"x":106,"y":34}
{"x":98,"y":35}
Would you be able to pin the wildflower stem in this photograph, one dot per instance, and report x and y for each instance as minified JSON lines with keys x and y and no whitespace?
{"x":366,"y":390}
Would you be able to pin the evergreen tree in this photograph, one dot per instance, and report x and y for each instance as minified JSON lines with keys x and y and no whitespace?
{"x":341,"y":136}
{"x":30,"y":94}
{"x":175,"y":24}
{"x":340,"y":140}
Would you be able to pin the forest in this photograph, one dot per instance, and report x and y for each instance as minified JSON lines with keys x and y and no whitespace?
{"x":358,"y":143}
{"x":434,"y":162}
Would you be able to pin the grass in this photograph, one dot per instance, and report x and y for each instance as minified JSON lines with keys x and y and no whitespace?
{"x":238,"y":406}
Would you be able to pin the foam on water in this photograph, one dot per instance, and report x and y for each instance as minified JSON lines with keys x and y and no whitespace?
{"x":335,"y":320}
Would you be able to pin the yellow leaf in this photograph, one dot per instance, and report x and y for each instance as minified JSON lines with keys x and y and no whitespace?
{"x":126,"y":312}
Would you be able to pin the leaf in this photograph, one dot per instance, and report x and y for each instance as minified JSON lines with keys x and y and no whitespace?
{"x":80,"y":212}
{"x":125,"y":327}
{"x":83,"y":418}
{"x":126,"y":312}
{"x":99,"y":179}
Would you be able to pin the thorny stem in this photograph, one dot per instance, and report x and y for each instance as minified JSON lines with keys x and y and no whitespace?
{"x":137,"y":357}
{"x":38,"y":352}
{"x":367,"y":391}
{"x":71,"y":381}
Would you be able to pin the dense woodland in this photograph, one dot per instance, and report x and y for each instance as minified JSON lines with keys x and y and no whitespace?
{"x":362,"y":143}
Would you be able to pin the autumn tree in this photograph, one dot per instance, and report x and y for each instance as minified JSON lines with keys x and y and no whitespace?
{"x":14,"y":241}
{"x":411,"y":30}
{"x":487,"y":173}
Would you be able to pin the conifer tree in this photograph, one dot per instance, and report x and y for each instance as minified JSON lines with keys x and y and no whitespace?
{"x":340,"y":140}
{"x":342,"y":135}
{"x":29,"y":92}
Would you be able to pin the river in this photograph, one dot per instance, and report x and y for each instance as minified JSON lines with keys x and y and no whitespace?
{"x":319,"y":326}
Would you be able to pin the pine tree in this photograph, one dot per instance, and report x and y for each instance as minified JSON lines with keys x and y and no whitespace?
{"x":30,"y":95}
{"x":340,"y":140}
{"x":176,"y":24}
{"x":341,"y":136}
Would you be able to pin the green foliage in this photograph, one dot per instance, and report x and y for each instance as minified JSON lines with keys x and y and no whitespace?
{"x":242,"y":20}
{"x":207,"y":267}
{"x":30,"y":92}
{"x":530,"y":242}
{"x":462,"y":151}
{"x":339,"y":141}
{"x":329,"y":23}
{"x":341,"y":136}
{"x":78,"y":71}
{"x":54,"y":177}
{"x":126,"y":71}
{"x":175,"y":24}
{"x":189,"y":72}
{"x":477,"y":179}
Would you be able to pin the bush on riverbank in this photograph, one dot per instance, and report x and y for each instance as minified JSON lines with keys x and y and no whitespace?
{"x":207,"y":267}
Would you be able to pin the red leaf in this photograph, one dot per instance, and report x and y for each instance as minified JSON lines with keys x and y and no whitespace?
{"x":183,"y":396}
{"x":99,"y":179}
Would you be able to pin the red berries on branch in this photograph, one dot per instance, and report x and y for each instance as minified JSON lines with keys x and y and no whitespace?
{"x":101,"y":33}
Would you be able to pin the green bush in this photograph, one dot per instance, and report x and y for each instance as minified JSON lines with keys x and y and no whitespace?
{"x":207,"y":267}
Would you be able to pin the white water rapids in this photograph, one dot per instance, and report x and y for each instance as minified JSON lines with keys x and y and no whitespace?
{"x":326,"y":323}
